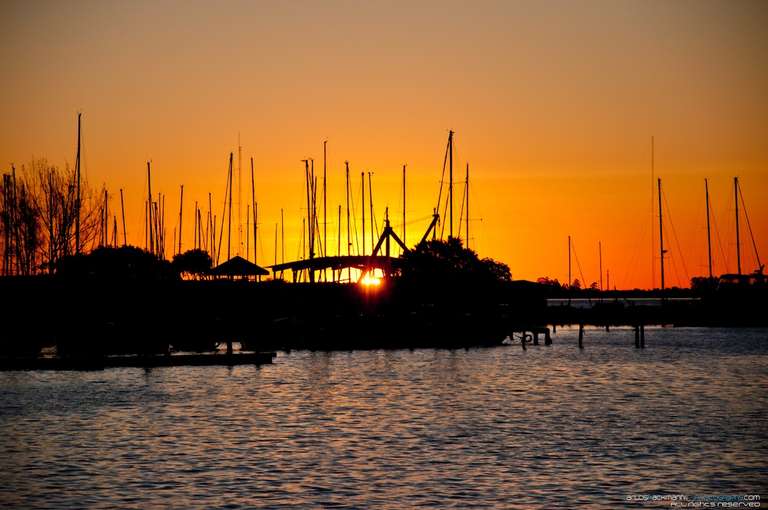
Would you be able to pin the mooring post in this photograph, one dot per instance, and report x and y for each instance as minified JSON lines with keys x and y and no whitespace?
{"x":229,"y":347}
{"x":554,"y":328}
{"x":522,"y":341}
{"x":547,"y":337}
{"x":535,"y":337}
{"x":607,"y":328}
{"x":581,"y":336}
{"x":642,"y":335}
{"x":637,"y":337}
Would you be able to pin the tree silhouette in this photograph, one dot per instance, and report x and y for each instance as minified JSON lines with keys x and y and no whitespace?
{"x":438,"y":262}
{"x":192,"y":262}
{"x":38,"y":215}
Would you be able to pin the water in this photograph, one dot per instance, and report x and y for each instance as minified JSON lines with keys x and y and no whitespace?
{"x":550,"y":427}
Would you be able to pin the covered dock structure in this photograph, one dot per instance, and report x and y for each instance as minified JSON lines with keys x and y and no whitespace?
{"x":339,"y":267}
{"x":238,"y":267}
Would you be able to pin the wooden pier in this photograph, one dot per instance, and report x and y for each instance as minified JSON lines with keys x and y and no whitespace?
{"x":154,"y":361}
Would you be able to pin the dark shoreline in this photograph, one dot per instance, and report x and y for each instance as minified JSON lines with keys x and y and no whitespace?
{"x":99,"y":317}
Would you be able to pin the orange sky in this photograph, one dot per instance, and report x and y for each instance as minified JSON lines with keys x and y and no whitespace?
{"x":553,"y":104}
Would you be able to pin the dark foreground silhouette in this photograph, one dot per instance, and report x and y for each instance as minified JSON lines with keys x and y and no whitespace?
{"x":124,"y":301}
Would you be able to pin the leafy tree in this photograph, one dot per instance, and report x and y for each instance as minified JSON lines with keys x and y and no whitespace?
{"x":449,"y":261}
{"x":124,"y":263}
{"x":192,"y":262}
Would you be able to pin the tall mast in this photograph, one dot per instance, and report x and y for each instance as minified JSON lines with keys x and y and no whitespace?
{"x":239,"y":194}
{"x":312,"y":216}
{"x":738,"y":240}
{"x":282,"y":237}
{"x":105,"y":224}
{"x":211,"y":227}
{"x":255,"y":215}
{"x":569,"y":261}
{"x":325,"y":189}
{"x":661,"y":236}
{"x":349,"y":243}
{"x":405,"y":241}
{"x":306,"y":224}
{"x":362,"y":193}
{"x":600,"y":261}
{"x":338,"y":239}
{"x":370,"y":206}
{"x":122,"y":209}
{"x":195,"y":229}
{"x":150,"y":224}
{"x":181,"y":208}
{"x":709,"y":237}
{"x":760,"y":266}
{"x":229,"y":211}
{"x":450,"y":182}
{"x":466,"y":198}
{"x":653,"y":215}
{"x":77,"y":196}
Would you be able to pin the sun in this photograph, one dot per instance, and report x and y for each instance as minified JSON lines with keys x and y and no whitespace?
{"x":370,"y":280}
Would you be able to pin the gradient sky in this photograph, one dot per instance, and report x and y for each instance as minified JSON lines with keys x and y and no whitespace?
{"x":553,"y":104}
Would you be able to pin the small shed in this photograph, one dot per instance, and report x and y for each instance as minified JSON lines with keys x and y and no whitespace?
{"x":238,"y":267}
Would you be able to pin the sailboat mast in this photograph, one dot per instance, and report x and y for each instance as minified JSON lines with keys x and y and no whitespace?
{"x":569,"y":261}
{"x":661,"y":236}
{"x":181,"y":208}
{"x":370,"y":204}
{"x":255,"y":215}
{"x":150,"y":224}
{"x":304,"y":224}
{"x":405,"y":240}
{"x":239,"y":194}
{"x":312,"y":217}
{"x":466,"y":198}
{"x":349,"y":243}
{"x":77,"y":197}
{"x":738,"y":241}
{"x":122,"y":209}
{"x":229,"y":211}
{"x":282,"y":236}
{"x":362,"y":192}
{"x":653,"y":215}
{"x":600,"y":261}
{"x":450,"y":182}
{"x":325,"y":204}
{"x":709,"y":236}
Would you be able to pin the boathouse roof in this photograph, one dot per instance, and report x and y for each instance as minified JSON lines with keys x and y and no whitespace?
{"x":238,"y":266}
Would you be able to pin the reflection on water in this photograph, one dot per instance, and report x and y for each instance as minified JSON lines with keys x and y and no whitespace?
{"x":547,"y":427}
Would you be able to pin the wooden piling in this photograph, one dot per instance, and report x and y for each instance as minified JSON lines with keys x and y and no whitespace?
{"x":581,"y":336}
{"x":637,"y":337}
{"x":522,"y":341}
{"x":642,"y":336}
{"x":547,"y":337}
{"x":535,"y":338}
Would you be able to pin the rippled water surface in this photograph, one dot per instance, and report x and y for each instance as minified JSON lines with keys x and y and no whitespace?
{"x":549,"y":427}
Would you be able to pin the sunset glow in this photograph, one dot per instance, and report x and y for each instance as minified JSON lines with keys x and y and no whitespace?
{"x":553,"y":103}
